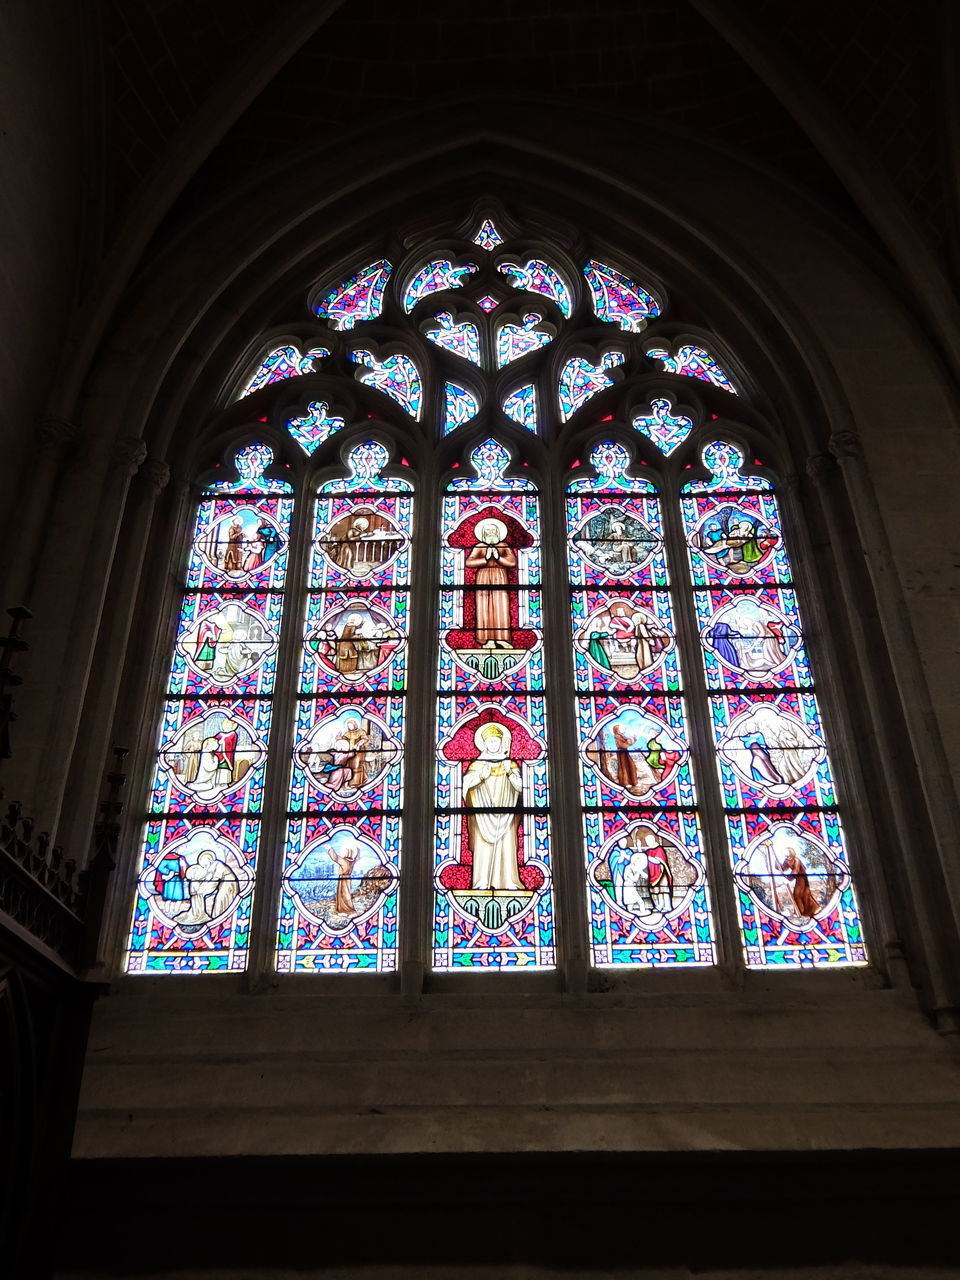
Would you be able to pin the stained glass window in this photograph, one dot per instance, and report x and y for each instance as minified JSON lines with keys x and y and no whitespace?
{"x":521,"y":406}
{"x":198,"y":865}
{"x":282,"y":362}
{"x":341,"y":870}
{"x":359,"y":298}
{"x":494,"y":898}
{"x":692,"y":362}
{"x":666,"y":429}
{"x":675,"y":652}
{"x":579,"y":380}
{"x":615,"y":297}
{"x":646,"y":879}
{"x":488,"y":237}
{"x":517,"y":340}
{"x":310,"y":429}
{"x":462,"y":339}
{"x":396,"y":376}
{"x":434,"y":277}
{"x":795,"y":897}
{"x":460,"y":405}
{"x":537,"y":276}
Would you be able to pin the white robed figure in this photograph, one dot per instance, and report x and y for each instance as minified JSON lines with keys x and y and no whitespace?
{"x":493,"y":781}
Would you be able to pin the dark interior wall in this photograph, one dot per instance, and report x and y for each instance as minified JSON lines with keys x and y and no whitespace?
{"x":729,"y":1216}
{"x":42,"y":137}
{"x":178,"y":1082}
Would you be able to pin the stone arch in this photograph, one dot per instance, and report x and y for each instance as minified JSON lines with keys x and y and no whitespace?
{"x":817,"y":326}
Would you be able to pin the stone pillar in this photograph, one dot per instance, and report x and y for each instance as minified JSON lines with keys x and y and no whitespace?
{"x":96,"y":728}
{"x":933,"y":883}
{"x":80,"y":542}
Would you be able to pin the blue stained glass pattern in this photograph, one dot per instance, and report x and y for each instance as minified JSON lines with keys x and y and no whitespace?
{"x":619,"y":299}
{"x":280,"y":363}
{"x":488,"y":303}
{"x":459,"y":407}
{"x":488,"y":237}
{"x":341,"y":868}
{"x":365,"y":462}
{"x":358,"y":298}
{"x":796,"y":901}
{"x":693,"y":362}
{"x":396,"y":376}
{"x":490,"y":461}
{"x":313,"y":427}
{"x":537,"y":276}
{"x":435,"y":276}
{"x":195,"y":880}
{"x":517,"y":340}
{"x":462,"y":339}
{"x":579,"y":380}
{"x":666,"y":429}
{"x":493,"y":904}
{"x":521,"y":406}
{"x":724,"y":461}
{"x":610,"y":461}
{"x":252,"y":462}
{"x":646,"y":882}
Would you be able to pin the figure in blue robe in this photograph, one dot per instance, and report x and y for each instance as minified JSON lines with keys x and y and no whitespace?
{"x":721,"y":635}
{"x":170,"y":879}
{"x":618,"y":858}
{"x":270,"y":539}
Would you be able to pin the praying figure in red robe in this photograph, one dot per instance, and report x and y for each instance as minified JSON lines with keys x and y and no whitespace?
{"x":493,"y":559}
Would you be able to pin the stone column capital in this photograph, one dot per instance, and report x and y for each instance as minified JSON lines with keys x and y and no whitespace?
{"x":128,"y":454}
{"x":846,"y":444}
{"x":821,"y":467}
{"x":54,"y":433}
{"x":155,"y":474}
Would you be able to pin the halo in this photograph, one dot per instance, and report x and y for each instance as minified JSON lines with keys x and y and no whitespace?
{"x":487,"y":730}
{"x":491,"y":523}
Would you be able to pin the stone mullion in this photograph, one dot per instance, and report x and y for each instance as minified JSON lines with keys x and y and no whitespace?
{"x":566,"y":809}
{"x":420,"y":719}
{"x":696,"y":697}
{"x":261,"y":963}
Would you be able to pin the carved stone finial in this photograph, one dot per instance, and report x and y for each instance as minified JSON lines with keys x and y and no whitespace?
{"x":155,"y":474}
{"x":128,"y":453}
{"x":846,"y":444}
{"x":54,"y":433}
{"x":820,"y":467}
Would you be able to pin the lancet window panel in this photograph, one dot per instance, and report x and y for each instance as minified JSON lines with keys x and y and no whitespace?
{"x":647,"y":893}
{"x":493,"y":882}
{"x":792,"y":879}
{"x":198,"y":864}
